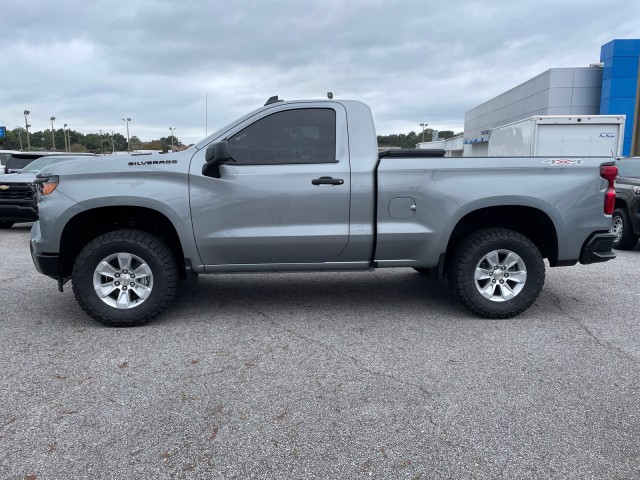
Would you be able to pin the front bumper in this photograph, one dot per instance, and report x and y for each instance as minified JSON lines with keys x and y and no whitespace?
{"x":47,"y":264}
{"x":25,"y":212}
{"x":598,"y":248}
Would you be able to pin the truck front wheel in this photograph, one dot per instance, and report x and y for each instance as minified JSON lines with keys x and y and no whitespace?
{"x":125,"y":278}
{"x":496,"y":272}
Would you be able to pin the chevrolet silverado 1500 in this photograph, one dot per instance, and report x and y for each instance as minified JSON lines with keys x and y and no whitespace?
{"x":301,"y":186}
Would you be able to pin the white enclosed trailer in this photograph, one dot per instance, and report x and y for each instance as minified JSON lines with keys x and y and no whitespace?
{"x":561,"y":135}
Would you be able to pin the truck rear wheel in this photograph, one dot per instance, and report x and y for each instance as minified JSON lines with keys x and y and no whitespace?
{"x":621,"y":226}
{"x":496,"y":273}
{"x":125,"y":278}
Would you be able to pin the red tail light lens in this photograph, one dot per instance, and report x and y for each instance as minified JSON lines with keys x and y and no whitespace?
{"x":609,"y":201}
{"x":609,"y":173}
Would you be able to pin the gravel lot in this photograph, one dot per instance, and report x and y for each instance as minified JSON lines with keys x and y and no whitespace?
{"x":333,"y":375}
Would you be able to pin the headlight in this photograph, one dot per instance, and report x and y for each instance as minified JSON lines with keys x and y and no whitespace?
{"x":46,"y":185}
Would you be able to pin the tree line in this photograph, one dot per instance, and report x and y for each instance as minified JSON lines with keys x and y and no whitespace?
{"x":108,"y":142}
{"x":409,"y":140}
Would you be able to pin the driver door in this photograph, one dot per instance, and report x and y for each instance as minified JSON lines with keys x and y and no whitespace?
{"x":284,"y":198}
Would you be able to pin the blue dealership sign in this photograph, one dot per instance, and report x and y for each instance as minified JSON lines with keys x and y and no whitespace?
{"x":3,"y":133}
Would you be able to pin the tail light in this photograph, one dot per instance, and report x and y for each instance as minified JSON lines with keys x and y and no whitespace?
{"x":609,"y":173}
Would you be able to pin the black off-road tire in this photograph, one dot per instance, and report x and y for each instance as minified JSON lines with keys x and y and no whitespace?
{"x":627,"y":239}
{"x":153,"y":251}
{"x":466,"y":258}
{"x":6,"y":224}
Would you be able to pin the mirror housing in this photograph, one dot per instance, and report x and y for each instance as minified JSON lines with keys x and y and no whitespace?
{"x":216,"y":155}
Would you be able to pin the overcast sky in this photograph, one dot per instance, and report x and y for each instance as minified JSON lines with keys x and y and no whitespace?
{"x":91,"y":63}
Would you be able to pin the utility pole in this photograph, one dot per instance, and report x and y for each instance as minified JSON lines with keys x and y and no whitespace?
{"x":172,"y":129}
{"x":53,"y":135}
{"x":101,"y":149}
{"x":26,"y":123}
{"x":127,"y":120}
{"x":423,"y":125}
{"x":64,"y":134}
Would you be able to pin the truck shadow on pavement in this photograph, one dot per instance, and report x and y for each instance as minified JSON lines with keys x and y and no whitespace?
{"x":397,"y":292}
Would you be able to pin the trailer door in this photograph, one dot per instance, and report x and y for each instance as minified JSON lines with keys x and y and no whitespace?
{"x":587,"y":140}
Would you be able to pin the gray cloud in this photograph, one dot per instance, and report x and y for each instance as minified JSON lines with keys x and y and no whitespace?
{"x":91,"y":63}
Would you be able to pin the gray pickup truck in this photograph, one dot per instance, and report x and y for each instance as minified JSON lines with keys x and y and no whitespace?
{"x":301,"y":186}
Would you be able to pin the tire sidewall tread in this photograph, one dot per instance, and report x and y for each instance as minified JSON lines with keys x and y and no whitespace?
{"x":142,"y":244}
{"x":628,"y":240}
{"x":471,"y":250}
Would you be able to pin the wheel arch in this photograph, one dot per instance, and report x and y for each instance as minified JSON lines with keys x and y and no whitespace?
{"x":621,"y":203}
{"x":531,"y":222}
{"x":89,"y":224}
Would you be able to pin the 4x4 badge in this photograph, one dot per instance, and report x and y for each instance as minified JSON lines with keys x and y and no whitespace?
{"x":564,"y":161}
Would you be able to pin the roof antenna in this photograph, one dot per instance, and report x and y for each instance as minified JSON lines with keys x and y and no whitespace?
{"x":273,"y":99}
{"x":329,"y":95}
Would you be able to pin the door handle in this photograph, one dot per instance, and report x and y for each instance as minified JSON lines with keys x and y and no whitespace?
{"x":327,"y":181}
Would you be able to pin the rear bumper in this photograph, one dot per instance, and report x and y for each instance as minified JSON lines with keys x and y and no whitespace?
{"x":598,"y":248}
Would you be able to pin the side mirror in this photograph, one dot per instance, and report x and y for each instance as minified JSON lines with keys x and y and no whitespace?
{"x":216,"y":154}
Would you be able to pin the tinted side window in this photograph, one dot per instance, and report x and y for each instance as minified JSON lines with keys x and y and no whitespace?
{"x":18,"y":162}
{"x":305,"y":135}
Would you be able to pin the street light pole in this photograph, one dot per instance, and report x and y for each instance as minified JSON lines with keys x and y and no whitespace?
{"x":20,"y":137}
{"x":101,"y":149}
{"x":53,"y":135}
{"x":172,"y":129}
{"x":127,"y":120}
{"x":423,"y":125}
{"x":64,"y":135}
{"x":26,"y":123}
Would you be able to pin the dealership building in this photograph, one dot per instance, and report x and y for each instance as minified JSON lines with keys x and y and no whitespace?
{"x":606,"y":88}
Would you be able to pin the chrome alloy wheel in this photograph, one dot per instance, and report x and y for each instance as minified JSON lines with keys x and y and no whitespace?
{"x":123,"y":280}
{"x":616,"y":228}
{"x":500,"y":275}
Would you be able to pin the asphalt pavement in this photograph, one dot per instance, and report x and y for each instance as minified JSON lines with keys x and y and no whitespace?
{"x":322,"y":375}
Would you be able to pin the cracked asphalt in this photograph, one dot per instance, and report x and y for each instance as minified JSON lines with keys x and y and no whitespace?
{"x":332,"y":375}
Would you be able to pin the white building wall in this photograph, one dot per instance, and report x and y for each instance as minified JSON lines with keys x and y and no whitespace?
{"x":453,"y":146}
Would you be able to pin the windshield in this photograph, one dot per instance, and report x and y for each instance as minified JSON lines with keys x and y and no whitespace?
{"x":629,"y":167}
{"x":39,"y":164}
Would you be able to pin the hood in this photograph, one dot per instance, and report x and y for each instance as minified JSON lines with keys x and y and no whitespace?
{"x":17,"y":178}
{"x":621,"y":180}
{"x":126,"y":164}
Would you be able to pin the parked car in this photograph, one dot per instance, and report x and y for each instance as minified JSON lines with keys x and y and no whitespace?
{"x":18,"y":160}
{"x":626,"y":217}
{"x":17,"y":191}
{"x":5,"y":155}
